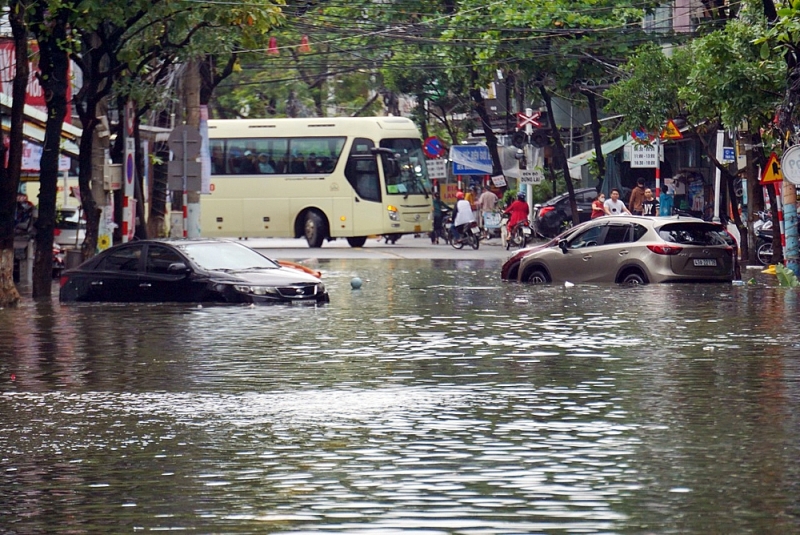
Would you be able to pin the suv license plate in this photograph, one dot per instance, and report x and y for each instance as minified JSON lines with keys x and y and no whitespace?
{"x":705,"y":262}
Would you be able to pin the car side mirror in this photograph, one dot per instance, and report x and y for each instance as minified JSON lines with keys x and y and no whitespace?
{"x":177,"y":268}
{"x":562,"y":244}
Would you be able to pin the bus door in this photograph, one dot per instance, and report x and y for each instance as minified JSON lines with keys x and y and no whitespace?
{"x":369,"y":215}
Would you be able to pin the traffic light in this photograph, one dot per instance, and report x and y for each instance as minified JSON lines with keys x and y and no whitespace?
{"x":518,"y":139}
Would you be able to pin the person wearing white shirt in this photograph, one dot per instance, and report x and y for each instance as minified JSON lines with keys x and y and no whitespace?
{"x":614,"y":206}
{"x":463,"y":214}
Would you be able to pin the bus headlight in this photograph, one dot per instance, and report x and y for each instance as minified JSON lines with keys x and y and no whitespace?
{"x":393,"y":215}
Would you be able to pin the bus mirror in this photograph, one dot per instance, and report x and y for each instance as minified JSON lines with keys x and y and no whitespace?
{"x":391,"y":167}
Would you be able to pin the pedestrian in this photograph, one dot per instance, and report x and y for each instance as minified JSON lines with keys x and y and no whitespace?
{"x":637,"y":197}
{"x":439,"y":209}
{"x":462,"y":215}
{"x":665,"y":201}
{"x":472,"y":196}
{"x":650,"y":204}
{"x":597,"y":206}
{"x":487,"y":202}
{"x":614,"y":206}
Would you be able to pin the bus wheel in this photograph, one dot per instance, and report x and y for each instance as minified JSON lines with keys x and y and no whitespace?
{"x":357,"y":241}
{"x":315,"y":230}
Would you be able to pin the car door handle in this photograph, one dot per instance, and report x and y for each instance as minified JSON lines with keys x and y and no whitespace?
{"x":144,"y":285}
{"x":623,"y":253}
{"x":587,"y":257}
{"x":96,"y":283}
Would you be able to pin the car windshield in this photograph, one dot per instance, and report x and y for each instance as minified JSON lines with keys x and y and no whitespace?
{"x":702,"y":234}
{"x":225,"y":256}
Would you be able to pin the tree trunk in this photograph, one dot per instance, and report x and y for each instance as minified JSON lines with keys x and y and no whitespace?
{"x":9,"y":177}
{"x":596,"y":138}
{"x":491,"y":139}
{"x":755,"y":199}
{"x":53,"y":65}
{"x":561,"y":155}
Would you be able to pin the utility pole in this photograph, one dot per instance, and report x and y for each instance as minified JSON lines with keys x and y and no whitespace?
{"x":190,"y":98}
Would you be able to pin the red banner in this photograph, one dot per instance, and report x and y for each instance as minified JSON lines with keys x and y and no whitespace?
{"x":34,"y":95}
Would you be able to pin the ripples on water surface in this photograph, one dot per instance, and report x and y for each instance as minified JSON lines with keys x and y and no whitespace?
{"x":411,"y":405}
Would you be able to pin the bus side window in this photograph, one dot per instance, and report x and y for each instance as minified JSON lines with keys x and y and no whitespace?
{"x":217,"y":157}
{"x":362,"y":171}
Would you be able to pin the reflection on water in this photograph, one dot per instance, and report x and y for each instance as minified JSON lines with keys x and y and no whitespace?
{"x":435,"y":400}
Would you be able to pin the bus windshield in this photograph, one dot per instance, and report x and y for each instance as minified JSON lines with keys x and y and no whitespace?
{"x":413,"y":177}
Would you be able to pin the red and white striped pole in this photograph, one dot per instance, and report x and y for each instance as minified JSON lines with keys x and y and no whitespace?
{"x":779,"y":207}
{"x":125,"y":212}
{"x":658,"y":165}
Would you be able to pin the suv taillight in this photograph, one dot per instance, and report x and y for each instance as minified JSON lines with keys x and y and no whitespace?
{"x":546,"y":210}
{"x":665,"y":249}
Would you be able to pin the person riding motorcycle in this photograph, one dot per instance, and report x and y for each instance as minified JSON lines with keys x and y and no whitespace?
{"x":462,"y":215}
{"x":517,"y":211}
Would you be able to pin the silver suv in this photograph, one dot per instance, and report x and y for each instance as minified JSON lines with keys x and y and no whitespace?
{"x":634,"y":250}
{"x":70,"y":227}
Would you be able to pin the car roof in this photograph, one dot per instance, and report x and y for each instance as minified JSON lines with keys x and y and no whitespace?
{"x":558,"y":198}
{"x":655,"y":222}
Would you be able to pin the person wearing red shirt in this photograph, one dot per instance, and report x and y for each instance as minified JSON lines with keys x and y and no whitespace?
{"x":597,"y":206}
{"x":517,"y":211}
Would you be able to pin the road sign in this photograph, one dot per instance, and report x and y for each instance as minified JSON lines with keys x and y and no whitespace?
{"x":671,"y":131}
{"x":643,"y":156}
{"x":437,"y":168}
{"x":728,"y":155}
{"x":130,"y":118}
{"x":642,"y":136}
{"x":433,"y":147}
{"x":175,"y":173}
{"x":531,"y":176}
{"x":193,"y":142}
{"x":532,"y":119}
{"x":772,"y":171}
{"x":790,"y":164}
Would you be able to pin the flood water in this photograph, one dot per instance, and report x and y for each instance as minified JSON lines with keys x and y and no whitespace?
{"x":434,"y":400}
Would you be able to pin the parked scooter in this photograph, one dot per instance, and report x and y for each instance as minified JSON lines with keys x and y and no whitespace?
{"x":764,"y":243}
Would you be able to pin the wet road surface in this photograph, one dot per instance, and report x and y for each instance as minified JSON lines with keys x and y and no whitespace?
{"x":435,"y":399}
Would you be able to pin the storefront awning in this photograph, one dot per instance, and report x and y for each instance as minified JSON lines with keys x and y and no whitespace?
{"x":579,"y":160}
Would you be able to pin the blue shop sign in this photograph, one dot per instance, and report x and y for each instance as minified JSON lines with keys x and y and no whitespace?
{"x":471,"y":160}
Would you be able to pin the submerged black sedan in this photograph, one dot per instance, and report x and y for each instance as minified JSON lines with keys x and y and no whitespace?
{"x":188,"y":271}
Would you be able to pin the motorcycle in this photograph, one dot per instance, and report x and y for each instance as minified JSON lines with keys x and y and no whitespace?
{"x":470,"y":234}
{"x":764,"y":243}
{"x":521,"y":233}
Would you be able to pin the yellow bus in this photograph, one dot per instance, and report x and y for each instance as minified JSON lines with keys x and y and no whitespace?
{"x":318,"y":178}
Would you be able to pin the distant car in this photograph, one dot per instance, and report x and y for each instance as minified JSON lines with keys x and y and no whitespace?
{"x":70,"y":227}
{"x":633,"y":250}
{"x":192,"y":271}
{"x":551,"y":218}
